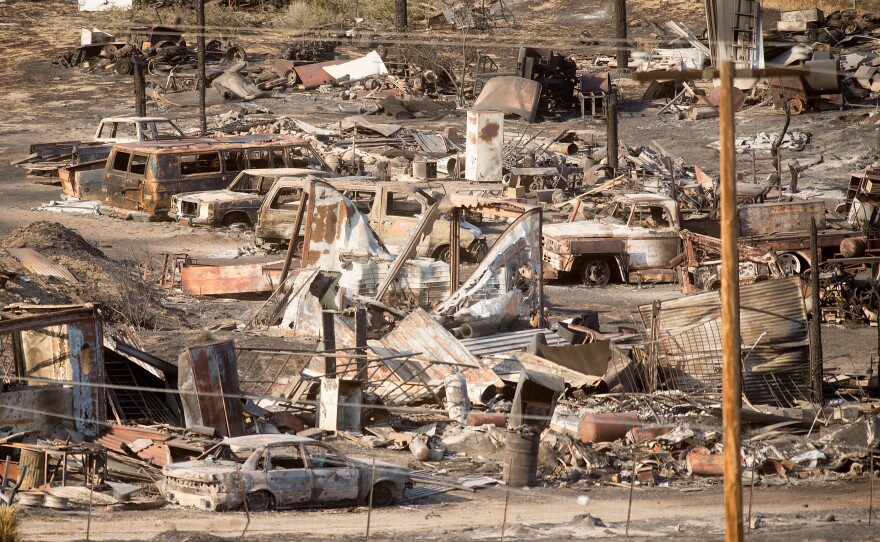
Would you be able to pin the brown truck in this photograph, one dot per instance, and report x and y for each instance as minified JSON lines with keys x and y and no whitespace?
{"x":638,"y":237}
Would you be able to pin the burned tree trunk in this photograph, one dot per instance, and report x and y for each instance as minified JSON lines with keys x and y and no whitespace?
{"x":400,"y":15}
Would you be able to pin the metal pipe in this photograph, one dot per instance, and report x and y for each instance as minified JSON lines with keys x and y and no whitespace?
{"x":731,"y":370}
{"x":360,"y":341}
{"x":816,"y":368}
{"x":454,"y":249}
{"x":540,"y":282}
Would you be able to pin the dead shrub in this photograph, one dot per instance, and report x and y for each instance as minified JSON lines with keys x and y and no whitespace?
{"x":9,"y":524}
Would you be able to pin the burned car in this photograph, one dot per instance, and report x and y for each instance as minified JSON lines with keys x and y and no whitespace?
{"x":238,"y":203}
{"x":279,"y":471}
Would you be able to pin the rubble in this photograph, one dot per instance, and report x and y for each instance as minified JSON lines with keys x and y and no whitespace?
{"x":391,"y":296}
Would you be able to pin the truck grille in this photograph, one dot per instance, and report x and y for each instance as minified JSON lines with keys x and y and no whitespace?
{"x":189,"y":208}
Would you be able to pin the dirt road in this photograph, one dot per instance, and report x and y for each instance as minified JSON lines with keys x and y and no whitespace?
{"x":799,"y":512}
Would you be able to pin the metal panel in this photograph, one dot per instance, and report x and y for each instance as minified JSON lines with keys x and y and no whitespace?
{"x":510,"y":94}
{"x":196,"y":279}
{"x":773,"y":218}
{"x":419,"y":333}
{"x":208,"y":382}
{"x":312,"y":76}
{"x":514,"y":341}
{"x":485,"y":140}
{"x":773,"y":327}
{"x":41,"y":265}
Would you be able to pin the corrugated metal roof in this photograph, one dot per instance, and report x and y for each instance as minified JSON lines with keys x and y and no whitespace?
{"x":513,"y":341}
{"x":41,"y":265}
{"x":773,"y":327}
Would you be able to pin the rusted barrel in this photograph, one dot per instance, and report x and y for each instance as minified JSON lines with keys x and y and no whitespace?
{"x":607,"y":426}
{"x":700,"y":463}
{"x":521,"y":458}
{"x":476,"y":419}
{"x":852,"y":248}
{"x":646,"y":434}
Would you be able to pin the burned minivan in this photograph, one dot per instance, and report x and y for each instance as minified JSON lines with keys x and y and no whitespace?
{"x":140,"y":178}
{"x":270,"y":471}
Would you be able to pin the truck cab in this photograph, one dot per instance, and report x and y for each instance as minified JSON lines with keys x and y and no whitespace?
{"x":634,"y":235}
{"x":393,"y":210}
{"x":128,"y":129}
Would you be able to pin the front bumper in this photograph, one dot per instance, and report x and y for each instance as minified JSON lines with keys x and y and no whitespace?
{"x":200,"y":495}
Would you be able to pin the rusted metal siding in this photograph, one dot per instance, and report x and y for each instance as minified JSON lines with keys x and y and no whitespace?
{"x":35,"y":262}
{"x":420,"y":333}
{"x":67,"y":346}
{"x":771,"y":218}
{"x":773,"y":327}
{"x":208,"y":382}
{"x":197,"y":279}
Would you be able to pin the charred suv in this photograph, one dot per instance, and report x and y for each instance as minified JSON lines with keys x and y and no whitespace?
{"x":279,"y":471}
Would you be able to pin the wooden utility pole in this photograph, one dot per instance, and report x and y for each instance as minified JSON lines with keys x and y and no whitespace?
{"x":731,"y":369}
{"x":620,"y":34}
{"x":612,"y":142}
{"x":203,"y":82}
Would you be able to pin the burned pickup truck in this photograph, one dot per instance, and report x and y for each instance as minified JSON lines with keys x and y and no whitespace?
{"x":272,"y":471}
{"x":238,"y":203}
{"x":641,"y":237}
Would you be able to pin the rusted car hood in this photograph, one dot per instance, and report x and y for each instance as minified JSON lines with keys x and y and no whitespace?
{"x":596,"y":228}
{"x":217,"y":196}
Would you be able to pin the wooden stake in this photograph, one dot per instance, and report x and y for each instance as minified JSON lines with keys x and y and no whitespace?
{"x":247,"y":511}
{"x":370,"y":506}
{"x":751,"y":490}
{"x":871,"y":501}
{"x":91,"y":476}
{"x":620,"y":34}
{"x":731,"y":371}
{"x":200,"y":50}
{"x":816,"y":366}
{"x":504,"y":519}
{"x":632,"y":484}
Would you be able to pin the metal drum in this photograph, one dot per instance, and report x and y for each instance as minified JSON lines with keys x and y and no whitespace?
{"x":521,"y":458}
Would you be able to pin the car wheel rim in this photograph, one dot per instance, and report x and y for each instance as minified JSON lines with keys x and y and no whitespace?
{"x":382,"y":495}
{"x":597,"y":273}
{"x":259,"y":501}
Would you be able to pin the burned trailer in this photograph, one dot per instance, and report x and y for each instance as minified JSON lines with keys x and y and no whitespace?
{"x":140,"y":178}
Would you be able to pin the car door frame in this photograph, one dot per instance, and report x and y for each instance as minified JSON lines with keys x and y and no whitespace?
{"x":279,"y":481}
{"x":323,"y":490}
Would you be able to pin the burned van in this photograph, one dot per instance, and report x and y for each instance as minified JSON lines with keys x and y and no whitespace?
{"x":140,"y":178}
